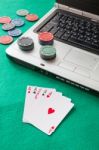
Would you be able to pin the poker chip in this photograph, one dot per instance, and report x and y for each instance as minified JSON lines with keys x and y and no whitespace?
{"x":5,"y":19}
{"x":8,"y":26}
{"x":18,"y":22}
{"x":31,"y":17}
{"x":22,"y":12}
{"x":47,"y":52}
{"x":15,"y":32}
{"x":46,"y":38}
{"x":6,"y":39}
{"x":25,"y":44}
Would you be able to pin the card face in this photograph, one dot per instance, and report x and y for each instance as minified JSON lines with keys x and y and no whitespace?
{"x":45,"y":108}
{"x":38,"y":92}
{"x":33,"y":93}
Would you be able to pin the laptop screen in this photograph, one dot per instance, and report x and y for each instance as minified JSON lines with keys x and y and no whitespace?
{"x":91,"y":6}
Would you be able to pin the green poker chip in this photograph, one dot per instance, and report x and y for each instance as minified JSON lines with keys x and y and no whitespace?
{"x":47,"y":52}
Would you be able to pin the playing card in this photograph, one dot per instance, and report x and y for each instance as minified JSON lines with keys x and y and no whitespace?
{"x":37,"y":92}
{"x":33,"y":93}
{"x":45,"y":111}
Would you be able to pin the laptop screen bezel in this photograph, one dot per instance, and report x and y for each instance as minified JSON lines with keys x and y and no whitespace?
{"x":93,"y":7}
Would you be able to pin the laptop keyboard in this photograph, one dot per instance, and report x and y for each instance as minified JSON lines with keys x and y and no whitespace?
{"x":74,"y":30}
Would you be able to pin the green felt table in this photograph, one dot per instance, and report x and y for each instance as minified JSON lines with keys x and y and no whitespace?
{"x":78,"y":131}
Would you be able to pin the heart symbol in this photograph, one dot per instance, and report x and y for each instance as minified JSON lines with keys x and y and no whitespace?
{"x":48,"y":96}
{"x":51,"y":110}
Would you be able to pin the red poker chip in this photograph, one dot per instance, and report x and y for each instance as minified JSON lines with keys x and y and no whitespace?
{"x":6,"y":39}
{"x":46,"y":36}
{"x":5,"y":19}
{"x":31,"y":17}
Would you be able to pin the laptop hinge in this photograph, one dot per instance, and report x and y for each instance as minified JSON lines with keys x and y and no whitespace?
{"x":77,"y":11}
{"x":56,"y":5}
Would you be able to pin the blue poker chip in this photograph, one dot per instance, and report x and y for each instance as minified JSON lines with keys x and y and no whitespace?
{"x":18,"y":22}
{"x":15,"y":32}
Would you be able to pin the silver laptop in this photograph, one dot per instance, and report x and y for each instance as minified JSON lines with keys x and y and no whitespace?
{"x":75,"y":25}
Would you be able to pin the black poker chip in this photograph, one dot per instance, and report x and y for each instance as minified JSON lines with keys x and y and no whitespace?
{"x":25,"y":44}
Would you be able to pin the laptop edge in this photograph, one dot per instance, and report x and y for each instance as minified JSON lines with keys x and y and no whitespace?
{"x":46,"y":69}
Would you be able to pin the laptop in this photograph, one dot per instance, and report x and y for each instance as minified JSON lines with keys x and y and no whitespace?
{"x":75,"y":25}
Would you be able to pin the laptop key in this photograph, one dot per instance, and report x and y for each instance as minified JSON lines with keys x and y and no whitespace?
{"x":96,"y":45}
{"x":85,"y":44}
{"x":65,"y":36}
{"x":61,"y":25}
{"x":54,"y":30}
{"x":81,"y":37}
{"x":57,"y":17}
{"x":59,"y":34}
{"x":47,"y":27}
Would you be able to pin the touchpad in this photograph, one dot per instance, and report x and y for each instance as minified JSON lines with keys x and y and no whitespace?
{"x":82,"y":58}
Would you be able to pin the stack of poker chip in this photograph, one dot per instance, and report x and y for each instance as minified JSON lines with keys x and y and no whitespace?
{"x":46,"y":38}
{"x":25,"y":43}
{"x":47,"y":50}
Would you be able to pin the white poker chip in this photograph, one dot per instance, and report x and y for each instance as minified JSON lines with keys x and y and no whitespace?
{"x":22,"y":12}
{"x":8,"y":26}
